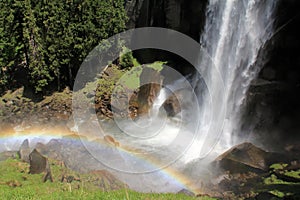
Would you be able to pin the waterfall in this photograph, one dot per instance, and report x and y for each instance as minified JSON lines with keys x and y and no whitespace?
{"x":235,"y":31}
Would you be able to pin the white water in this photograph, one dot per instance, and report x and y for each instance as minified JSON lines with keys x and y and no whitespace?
{"x":234,"y":32}
{"x":233,"y":35}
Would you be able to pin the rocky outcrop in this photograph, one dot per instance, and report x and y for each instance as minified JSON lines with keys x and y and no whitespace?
{"x":172,"y":106}
{"x":150,"y":81}
{"x":244,"y":158}
{"x":24,"y":151}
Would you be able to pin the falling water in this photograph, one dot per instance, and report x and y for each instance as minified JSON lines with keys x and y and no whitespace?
{"x":235,"y":31}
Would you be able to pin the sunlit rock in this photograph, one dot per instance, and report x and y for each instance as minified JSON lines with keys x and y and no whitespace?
{"x":24,"y":151}
{"x":150,"y":81}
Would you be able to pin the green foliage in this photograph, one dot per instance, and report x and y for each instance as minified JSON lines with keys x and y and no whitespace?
{"x":48,"y":40}
{"x":131,"y":78}
{"x":277,"y":185}
{"x":126,"y":59}
{"x":277,"y":166}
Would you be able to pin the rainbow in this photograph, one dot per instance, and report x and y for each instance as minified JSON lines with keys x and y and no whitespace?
{"x":168,"y":172}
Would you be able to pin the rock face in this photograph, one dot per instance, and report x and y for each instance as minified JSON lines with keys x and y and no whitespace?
{"x":184,"y":16}
{"x":273,"y":107}
{"x":172,"y":106}
{"x":244,"y":158}
{"x":150,"y":81}
{"x":24,"y":151}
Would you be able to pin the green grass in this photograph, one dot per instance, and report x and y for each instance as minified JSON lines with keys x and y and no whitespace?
{"x":32,"y":187}
{"x":118,"y":80}
{"x":130,"y":79}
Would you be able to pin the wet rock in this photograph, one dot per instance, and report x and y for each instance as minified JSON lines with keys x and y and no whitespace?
{"x":242,"y":158}
{"x":24,"y":151}
{"x":150,"y":81}
{"x":172,"y":106}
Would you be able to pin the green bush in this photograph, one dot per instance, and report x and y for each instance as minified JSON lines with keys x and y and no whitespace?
{"x":126,"y":59}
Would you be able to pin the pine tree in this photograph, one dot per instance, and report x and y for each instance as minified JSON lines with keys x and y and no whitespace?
{"x":48,"y":40}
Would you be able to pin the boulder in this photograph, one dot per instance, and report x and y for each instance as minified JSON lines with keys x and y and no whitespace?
{"x":42,"y":148}
{"x":150,"y":81}
{"x":186,"y":192}
{"x":106,"y":181}
{"x":39,"y":164}
{"x":172,"y":106}
{"x":24,"y":151}
{"x":242,"y":158}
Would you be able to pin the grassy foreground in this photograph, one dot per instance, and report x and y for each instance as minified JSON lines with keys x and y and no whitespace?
{"x":16,"y":183}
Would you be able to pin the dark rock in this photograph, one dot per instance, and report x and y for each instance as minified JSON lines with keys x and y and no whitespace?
{"x":38,"y":163}
{"x":68,"y":179}
{"x":268,"y":74}
{"x":24,"y":151}
{"x":172,"y":106}
{"x":187,"y":17}
{"x":48,"y":176}
{"x":242,"y":158}
{"x":186,"y":192}
{"x":265,"y":196}
{"x":281,"y":113}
